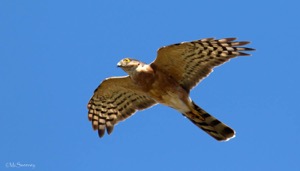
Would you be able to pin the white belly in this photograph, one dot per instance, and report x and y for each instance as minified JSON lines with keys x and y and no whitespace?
{"x":174,"y":101}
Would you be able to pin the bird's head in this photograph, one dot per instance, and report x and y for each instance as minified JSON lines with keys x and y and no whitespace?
{"x":129,"y":65}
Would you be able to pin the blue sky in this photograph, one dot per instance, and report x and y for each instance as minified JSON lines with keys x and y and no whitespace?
{"x":55,"y":53}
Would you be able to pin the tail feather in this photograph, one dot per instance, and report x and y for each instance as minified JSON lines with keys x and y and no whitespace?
{"x":210,"y":124}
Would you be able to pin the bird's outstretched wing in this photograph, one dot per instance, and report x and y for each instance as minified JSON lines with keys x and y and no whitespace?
{"x":114,"y":100}
{"x":190,"y":62}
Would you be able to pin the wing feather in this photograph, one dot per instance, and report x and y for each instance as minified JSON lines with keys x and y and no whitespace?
{"x":190,"y":62}
{"x":114,"y":100}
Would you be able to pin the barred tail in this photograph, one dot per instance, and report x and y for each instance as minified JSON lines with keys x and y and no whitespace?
{"x":210,"y":124}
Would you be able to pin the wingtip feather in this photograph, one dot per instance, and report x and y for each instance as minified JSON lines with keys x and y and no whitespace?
{"x":249,"y":49}
{"x":101,"y":130}
{"x":230,"y":39}
{"x":243,"y":54}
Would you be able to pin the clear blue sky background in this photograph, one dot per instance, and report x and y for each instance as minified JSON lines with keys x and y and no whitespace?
{"x":53,"y":54}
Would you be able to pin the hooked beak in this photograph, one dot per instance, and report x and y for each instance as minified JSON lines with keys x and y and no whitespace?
{"x":119,"y":64}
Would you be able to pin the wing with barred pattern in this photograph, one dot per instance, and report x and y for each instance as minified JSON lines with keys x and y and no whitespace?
{"x":190,"y":62}
{"x":116,"y":99}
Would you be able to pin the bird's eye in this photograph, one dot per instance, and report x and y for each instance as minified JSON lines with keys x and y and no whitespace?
{"x":126,"y":60}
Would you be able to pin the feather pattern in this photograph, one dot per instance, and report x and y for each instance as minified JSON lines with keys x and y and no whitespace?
{"x":190,"y":62}
{"x":116,"y":99}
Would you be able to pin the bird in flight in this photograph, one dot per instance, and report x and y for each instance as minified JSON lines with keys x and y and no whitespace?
{"x":168,"y":81}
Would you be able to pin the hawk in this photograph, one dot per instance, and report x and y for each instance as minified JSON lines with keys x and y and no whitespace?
{"x":168,"y":81}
